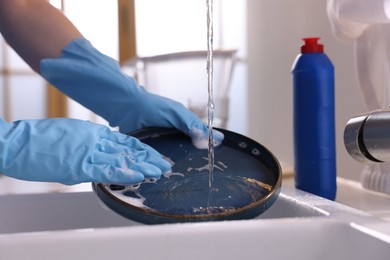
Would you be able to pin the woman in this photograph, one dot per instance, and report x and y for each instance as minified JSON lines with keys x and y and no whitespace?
{"x":71,"y":151}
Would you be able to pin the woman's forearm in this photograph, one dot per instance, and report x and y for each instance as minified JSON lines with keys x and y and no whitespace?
{"x":35,"y":29}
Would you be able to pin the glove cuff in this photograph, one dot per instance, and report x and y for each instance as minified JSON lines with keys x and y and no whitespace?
{"x":5,"y":136}
{"x":5,"y":127}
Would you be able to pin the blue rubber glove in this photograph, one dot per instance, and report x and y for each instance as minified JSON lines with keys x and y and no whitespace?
{"x":72,"y":151}
{"x":97,"y":82}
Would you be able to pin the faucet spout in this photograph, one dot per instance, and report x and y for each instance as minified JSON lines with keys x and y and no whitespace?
{"x":367,"y":137}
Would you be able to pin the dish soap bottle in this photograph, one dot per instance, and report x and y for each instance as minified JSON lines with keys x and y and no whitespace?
{"x":314,"y":121}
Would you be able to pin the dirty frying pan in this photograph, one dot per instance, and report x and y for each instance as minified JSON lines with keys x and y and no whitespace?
{"x":246,"y":181}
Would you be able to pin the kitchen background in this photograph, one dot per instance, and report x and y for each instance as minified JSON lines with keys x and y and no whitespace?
{"x":267,"y":35}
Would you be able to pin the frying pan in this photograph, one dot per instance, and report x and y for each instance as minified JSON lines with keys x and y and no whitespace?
{"x":246,"y":181}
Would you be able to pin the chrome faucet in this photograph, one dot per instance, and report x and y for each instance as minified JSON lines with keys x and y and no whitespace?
{"x":367,"y":137}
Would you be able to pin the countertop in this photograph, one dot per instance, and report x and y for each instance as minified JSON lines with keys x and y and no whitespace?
{"x":352,"y":194}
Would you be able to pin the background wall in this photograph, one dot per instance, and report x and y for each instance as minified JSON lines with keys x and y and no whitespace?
{"x":267,"y":32}
{"x":176,"y":25}
{"x":22,"y":92}
{"x":275,"y":30}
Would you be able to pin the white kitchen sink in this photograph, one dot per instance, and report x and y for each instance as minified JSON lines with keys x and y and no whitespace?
{"x":298,"y":226}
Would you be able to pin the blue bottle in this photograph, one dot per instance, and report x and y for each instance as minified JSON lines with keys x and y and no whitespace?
{"x":314,"y":121}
